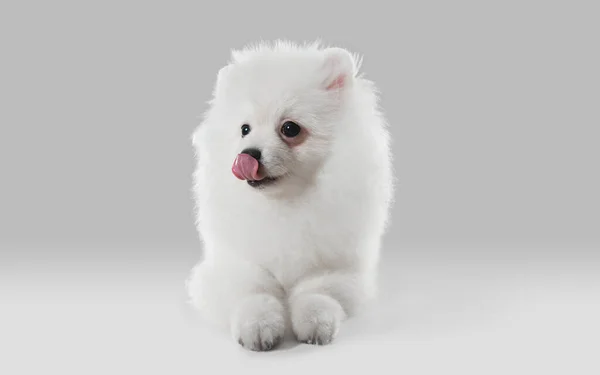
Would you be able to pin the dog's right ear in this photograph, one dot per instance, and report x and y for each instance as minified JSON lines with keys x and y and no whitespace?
{"x":222,"y":79}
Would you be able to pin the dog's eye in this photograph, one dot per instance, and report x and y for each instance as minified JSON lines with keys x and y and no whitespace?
{"x":245,"y":130}
{"x":290,"y":129}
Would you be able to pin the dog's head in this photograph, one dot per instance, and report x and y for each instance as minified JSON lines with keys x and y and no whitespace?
{"x":279,"y":110}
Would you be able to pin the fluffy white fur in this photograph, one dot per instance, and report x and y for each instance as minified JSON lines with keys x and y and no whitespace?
{"x":301,"y":253}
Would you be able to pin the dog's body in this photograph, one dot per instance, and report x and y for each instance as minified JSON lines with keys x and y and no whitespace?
{"x":298,"y":242}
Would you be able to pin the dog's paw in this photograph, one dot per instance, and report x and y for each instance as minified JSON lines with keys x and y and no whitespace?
{"x":316,"y":318}
{"x":258,"y":324}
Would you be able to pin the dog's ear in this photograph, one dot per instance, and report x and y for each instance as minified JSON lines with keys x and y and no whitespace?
{"x":221,"y":80}
{"x":338,"y":69}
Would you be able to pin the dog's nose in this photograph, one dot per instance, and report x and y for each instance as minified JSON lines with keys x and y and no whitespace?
{"x":254,"y":152}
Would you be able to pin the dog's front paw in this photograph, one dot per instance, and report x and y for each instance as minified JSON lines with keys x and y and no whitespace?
{"x":316,"y":318}
{"x":258,"y":324}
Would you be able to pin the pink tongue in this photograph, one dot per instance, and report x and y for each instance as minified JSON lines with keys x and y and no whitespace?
{"x":245,"y":167}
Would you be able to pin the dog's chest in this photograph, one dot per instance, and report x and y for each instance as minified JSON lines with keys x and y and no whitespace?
{"x":293,"y":242}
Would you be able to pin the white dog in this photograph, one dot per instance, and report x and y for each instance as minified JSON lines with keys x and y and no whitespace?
{"x":293,"y":186}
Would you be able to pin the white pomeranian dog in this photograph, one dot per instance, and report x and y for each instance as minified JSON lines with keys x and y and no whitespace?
{"x":293,"y":188}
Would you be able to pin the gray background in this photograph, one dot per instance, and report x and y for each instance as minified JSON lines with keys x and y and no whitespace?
{"x":495,"y":122}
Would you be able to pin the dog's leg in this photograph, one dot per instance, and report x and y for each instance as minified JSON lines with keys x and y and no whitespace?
{"x":320,"y":303}
{"x":258,"y":322}
{"x":242,"y":298}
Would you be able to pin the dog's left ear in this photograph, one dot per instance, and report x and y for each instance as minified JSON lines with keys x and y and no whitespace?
{"x":338,"y":68}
